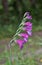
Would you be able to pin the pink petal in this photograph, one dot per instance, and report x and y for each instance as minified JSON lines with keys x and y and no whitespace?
{"x":25,"y":39}
{"x":29,"y":17}
{"x":25,"y":35}
{"x":28,"y":23}
{"x":27,"y":28}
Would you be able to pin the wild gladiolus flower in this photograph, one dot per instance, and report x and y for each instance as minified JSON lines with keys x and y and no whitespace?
{"x":28,"y":30}
{"x":24,"y":40}
{"x":25,"y":35}
{"x":28,"y":23}
{"x":26,"y":27}
{"x":29,"y":17}
{"x":23,"y":32}
{"x":20,"y":43}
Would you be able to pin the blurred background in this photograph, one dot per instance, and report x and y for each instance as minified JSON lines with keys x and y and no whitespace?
{"x":12,"y":11}
{"x":11,"y":14}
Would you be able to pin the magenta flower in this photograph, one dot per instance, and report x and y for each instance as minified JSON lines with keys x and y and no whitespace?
{"x":29,"y":17}
{"x":20,"y":43}
{"x":25,"y":35}
{"x":27,"y":28}
{"x":28,"y":23}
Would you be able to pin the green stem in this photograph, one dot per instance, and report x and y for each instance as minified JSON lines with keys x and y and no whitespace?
{"x":10,"y":56}
{"x":10,"y":52}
